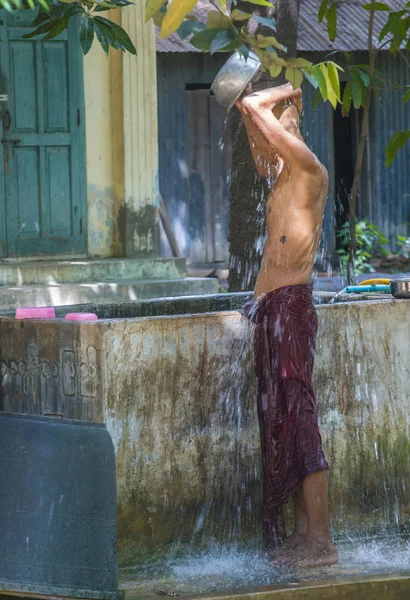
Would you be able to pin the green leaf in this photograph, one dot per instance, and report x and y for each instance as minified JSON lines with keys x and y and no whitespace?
{"x":103,"y":25}
{"x":176,"y":13}
{"x":334,"y":78}
{"x":406,"y":96}
{"x":331,"y":94}
{"x":357,"y":89}
{"x":120,"y":3}
{"x":294,"y":76}
{"x":365,"y":77}
{"x":86,"y":33}
{"x":377,"y":6}
{"x":117,"y":35}
{"x":310,"y":79}
{"x":152,"y":7}
{"x":203,"y":39}
{"x":216,"y":20}
{"x":275,"y":70}
{"x":103,"y":36}
{"x":332,"y":22}
{"x":299,"y":63}
{"x":265,"y":21}
{"x":322,"y":10}
{"x":271,"y":56}
{"x":260,"y":3}
{"x":239,"y":15}
{"x":316,"y":99}
{"x":44,"y":28}
{"x":265,"y":42}
{"x":236,"y":43}
{"x":244,"y":50}
{"x":41,"y":17}
{"x":189,"y":27}
{"x":385,"y":30}
{"x":396,"y":142}
{"x":347,"y":98}
{"x":58,"y":28}
{"x":224,"y":38}
{"x":318,"y":76}
{"x":395,"y":24}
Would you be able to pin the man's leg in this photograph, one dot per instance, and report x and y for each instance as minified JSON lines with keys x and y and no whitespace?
{"x":300,"y":525}
{"x":316,"y":548}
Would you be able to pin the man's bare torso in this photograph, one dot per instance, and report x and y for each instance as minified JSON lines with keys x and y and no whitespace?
{"x":294,"y":214}
{"x":294,"y":210}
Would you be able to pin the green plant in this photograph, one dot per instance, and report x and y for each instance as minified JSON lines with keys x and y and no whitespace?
{"x":403,"y":246}
{"x":370,"y":242}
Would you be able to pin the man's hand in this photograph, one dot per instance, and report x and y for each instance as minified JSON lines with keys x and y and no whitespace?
{"x":272,"y":98}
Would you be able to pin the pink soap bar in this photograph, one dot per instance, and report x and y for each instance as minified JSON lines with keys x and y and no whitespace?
{"x":81,"y":317}
{"x":39,"y":312}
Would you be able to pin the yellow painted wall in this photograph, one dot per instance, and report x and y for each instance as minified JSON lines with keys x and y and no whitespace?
{"x":104,"y":149}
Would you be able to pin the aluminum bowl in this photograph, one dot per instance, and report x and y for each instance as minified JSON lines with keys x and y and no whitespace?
{"x":233,"y":77}
{"x":400,"y":288}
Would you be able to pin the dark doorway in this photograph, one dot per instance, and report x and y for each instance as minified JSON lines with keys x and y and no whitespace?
{"x":344,"y":144}
{"x":209,"y":166}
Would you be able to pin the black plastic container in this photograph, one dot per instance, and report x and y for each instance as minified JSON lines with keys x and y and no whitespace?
{"x":57,"y":508}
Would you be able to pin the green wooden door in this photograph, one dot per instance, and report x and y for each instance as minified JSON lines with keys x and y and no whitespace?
{"x":42,"y":160}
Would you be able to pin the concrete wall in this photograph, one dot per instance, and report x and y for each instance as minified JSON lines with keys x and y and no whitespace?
{"x":105,"y":150}
{"x":180,"y":409}
{"x":122,"y":144}
{"x":177,"y":394}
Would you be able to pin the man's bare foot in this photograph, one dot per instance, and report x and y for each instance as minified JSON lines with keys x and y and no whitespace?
{"x":288,"y":547}
{"x":311,"y":552}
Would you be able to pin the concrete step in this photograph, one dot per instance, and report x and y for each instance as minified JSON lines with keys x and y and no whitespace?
{"x":49,"y":272}
{"x":102,"y":292}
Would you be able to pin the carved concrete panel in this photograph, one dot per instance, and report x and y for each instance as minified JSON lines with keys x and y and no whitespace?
{"x":51,"y":368}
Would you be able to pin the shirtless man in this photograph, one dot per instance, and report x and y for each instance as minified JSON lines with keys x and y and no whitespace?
{"x":286,"y":327}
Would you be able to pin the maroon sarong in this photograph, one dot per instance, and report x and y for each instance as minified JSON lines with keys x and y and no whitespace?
{"x":285,"y":335}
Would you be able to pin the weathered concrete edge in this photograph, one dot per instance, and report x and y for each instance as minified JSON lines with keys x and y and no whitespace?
{"x":355,"y":588}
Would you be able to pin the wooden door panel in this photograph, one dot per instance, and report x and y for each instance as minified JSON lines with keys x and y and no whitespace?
{"x":56,"y":108}
{"x":43,"y":147}
{"x":22,"y":90}
{"x":58,"y":204}
{"x":25,"y":215}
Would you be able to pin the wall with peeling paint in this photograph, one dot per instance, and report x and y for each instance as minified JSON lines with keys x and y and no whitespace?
{"x":180,"y":408}
{"x":105,"y":150}
{"x":122,"y":145}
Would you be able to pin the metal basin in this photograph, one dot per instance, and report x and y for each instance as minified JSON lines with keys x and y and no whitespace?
{"x":233,"y":78}
{"x":400,"y":288}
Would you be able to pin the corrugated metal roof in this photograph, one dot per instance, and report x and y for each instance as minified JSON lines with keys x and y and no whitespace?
{"x":312,"y":35}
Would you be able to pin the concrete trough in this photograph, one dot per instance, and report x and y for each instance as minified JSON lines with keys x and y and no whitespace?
{"x":177,"y":395}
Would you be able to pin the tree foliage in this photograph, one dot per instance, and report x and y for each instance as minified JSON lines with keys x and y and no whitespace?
{"x":226,"y":31}
{"x":53,"y":17}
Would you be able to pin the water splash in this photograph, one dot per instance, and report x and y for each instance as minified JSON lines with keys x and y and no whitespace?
{"x":223,"y":568}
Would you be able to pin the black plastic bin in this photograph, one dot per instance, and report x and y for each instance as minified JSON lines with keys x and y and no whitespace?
{"x":57,"y":508}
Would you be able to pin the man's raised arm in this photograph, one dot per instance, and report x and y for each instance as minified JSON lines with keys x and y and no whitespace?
{"x":259,"y":107}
